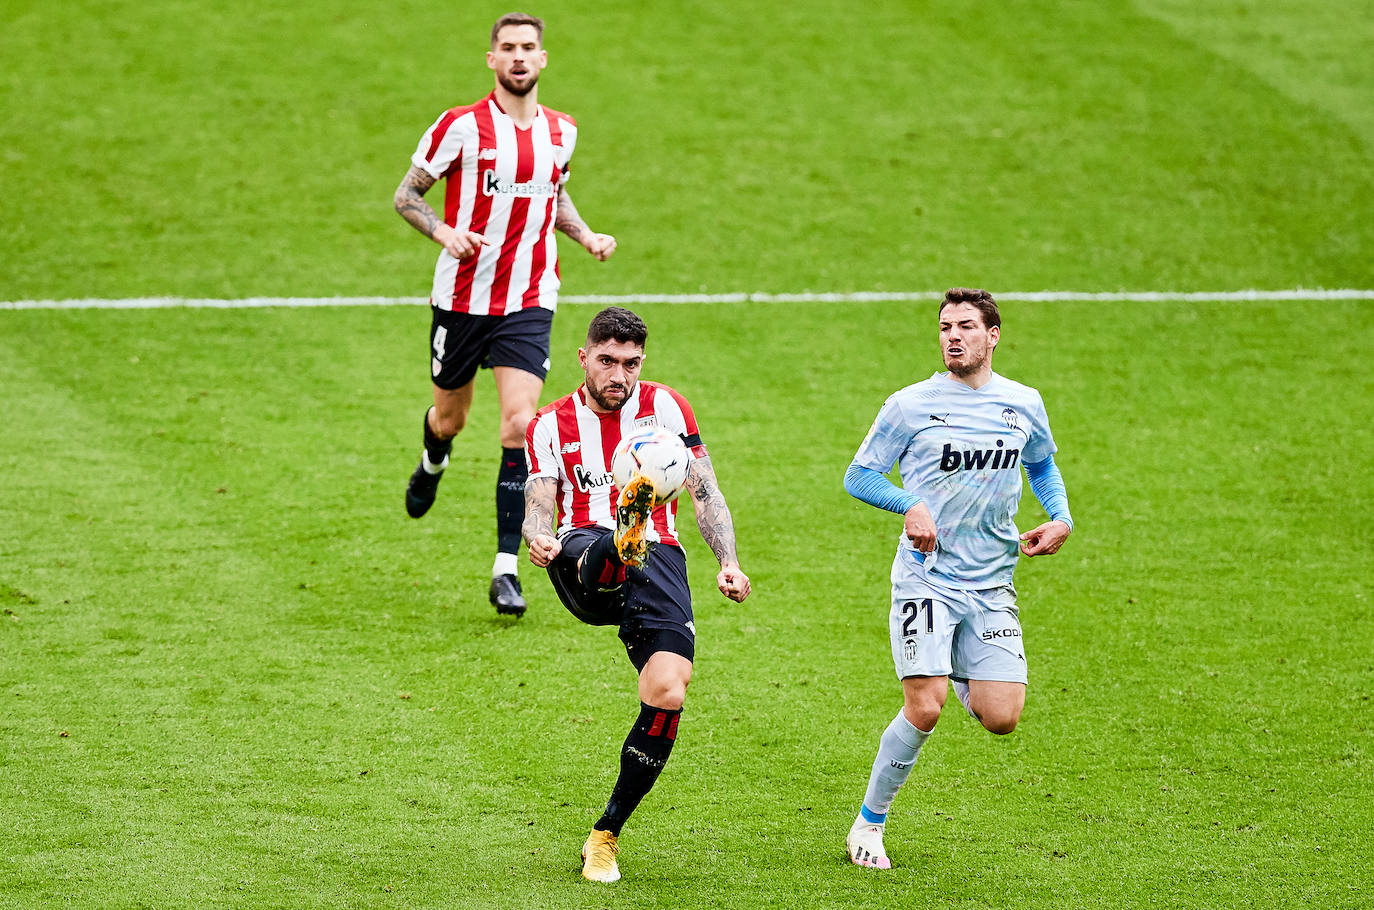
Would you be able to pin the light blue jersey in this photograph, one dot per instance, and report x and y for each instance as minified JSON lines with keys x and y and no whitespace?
{"x":961,"y":451}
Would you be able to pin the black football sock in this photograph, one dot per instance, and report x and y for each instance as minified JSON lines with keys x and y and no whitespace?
{"x":600,"y":568}
{"x":437,"y":449}
{"x":642,"y":757}
{"x":510,"y":500}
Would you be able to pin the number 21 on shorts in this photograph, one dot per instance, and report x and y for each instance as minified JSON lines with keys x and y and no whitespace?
{"x":911,"y":611}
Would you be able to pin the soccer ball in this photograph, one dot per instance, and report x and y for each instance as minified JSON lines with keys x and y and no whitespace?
{"x":656,"y":453}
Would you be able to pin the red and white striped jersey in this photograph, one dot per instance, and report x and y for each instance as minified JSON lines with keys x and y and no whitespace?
{"x":502,"y":182}
{"x":571,"y":443}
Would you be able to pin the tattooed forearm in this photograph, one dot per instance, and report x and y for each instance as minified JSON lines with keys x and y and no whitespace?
{"x":567,"y":220}
{"x":410,"y":203}
{"x":539,"y":507}
{"x":713,"y":515}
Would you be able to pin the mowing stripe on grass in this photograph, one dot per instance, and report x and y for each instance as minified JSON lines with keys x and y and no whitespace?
{"x":157,"y":303}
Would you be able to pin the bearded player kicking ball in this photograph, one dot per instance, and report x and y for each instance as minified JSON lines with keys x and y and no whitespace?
{"x":615,"y":559}
{"x":960,"y":440}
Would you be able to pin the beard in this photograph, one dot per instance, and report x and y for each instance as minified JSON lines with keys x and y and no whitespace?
{"x":969,"y":364}
{"x":599,"y":396}
{"x":517,"y":88}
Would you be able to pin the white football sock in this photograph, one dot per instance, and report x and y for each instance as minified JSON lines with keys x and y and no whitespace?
{"x":506,"y":564}
{"x":961,"y":693}
{"x":430,"y":467}
{"x":897,"y":750}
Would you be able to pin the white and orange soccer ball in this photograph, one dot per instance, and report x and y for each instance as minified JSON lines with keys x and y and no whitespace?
{"x":656,"y":453}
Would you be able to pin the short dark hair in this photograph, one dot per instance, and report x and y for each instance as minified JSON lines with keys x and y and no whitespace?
{"x":981,"y":301}
{"x":517,"y":19}
{"x":619,"y":324}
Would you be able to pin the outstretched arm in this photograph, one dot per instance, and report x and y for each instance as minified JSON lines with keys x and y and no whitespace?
{"x":567,"y":220}
{"x":540,"y":496}
{"x":717,"y":527}
{"x":409,"y":201}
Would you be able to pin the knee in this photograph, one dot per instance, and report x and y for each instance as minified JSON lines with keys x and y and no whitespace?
{"x":669,"y":698}
{"x":446,"y":424}
{"x":668,"y":694}
{"x":513,"y":428}
{"x":1000,"y":722}
{"x":922,"y":713}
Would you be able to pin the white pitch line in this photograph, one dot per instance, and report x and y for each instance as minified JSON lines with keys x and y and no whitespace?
{"x":158,"y":303}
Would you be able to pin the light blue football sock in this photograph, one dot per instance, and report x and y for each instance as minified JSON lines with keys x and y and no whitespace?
{"x":897,"y":750}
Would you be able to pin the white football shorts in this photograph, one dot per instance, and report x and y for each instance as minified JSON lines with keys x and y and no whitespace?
{"x":939,"y":631}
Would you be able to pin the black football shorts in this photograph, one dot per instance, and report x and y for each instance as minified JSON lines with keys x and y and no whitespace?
{"x":653,"y":608}
{"x":460,"y":343}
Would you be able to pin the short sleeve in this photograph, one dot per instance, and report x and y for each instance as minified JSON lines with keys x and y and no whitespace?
{"x":540,"y":451}
{"x":439,"y":147}
{"x":887,"y":439}
{"x":676,"y":414}
{"x":569,"y":143}
{"x":1040,"y":445}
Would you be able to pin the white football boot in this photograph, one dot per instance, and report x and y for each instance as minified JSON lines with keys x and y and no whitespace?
{"x":865,"y":845}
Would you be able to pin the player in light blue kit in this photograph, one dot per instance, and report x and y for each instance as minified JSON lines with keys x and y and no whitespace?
{"x":960,"y":440}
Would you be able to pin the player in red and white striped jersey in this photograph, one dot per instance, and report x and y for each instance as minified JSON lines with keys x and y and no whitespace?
{"x":597,"y":574}
{"x":505,"y":162}
{"x":571,"y":439}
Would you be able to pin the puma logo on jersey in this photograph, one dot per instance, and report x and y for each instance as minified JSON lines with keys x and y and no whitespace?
{"x":998,"y":459}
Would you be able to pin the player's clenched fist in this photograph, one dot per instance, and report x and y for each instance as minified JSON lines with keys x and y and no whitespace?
{"x":920,"y":527}
{"x":733,"y":583}
{"x":601,"y":246}
{"x":543,"y":548}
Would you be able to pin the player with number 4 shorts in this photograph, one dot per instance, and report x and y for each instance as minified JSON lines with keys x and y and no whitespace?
{"x":505,"y":161}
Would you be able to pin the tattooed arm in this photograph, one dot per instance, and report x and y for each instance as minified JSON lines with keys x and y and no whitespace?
{"x":409,"y":201}
{"x":540,"y":509}
{"x":569,"y":222}
{"x":717,"y":527}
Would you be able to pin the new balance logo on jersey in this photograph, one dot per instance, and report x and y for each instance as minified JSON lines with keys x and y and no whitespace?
{"x":591,"y":481}
{"x":486,"y":155}
{"x":495,"y":186}
{"x":570,"y":447}
{"x":998,"y":459}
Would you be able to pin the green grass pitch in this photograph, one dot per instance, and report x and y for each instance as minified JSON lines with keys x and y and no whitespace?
{"x":233,"y":673}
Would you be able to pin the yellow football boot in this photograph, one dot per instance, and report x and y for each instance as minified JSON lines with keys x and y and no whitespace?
{"x":598,"y":857}
{"x":632,"y":521}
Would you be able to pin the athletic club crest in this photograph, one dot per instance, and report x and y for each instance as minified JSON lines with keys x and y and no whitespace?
{"x":1009,"y":417}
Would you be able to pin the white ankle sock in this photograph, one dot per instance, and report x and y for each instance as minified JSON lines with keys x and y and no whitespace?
{"x":897,"y":750}
{"x":431,"y":467}
{"x":506,"y":564}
